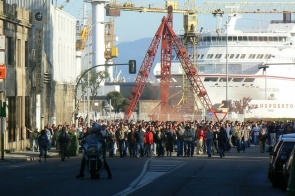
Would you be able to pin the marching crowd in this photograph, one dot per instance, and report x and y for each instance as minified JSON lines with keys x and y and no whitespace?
{"x":189,"y":138}
{"x":157,"y":138}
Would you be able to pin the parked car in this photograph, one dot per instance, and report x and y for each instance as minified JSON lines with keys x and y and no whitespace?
{"x":288,"y":135}
{"x":273,"y":150}
{"x":287,"y":169}
{"x":278,"y":158}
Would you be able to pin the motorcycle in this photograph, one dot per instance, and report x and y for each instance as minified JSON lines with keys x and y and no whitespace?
{"x":93,"y":153}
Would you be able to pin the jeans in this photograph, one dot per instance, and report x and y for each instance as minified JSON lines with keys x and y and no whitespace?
{"x":43,"y":151}
{"x":221,"y":149}
{"x":255,"y":138}
{"x":179,"y":144}
{"x":140,"y":149}
{"x":188,"y":151}
{"x":149,"y":150}
{"x":209,"y":144}
{"x":121,"y":148}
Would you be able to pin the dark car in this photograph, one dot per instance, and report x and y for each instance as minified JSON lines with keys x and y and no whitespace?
{"x":287,"y":169}
{"x":273,"y":151}
{"x":279,"y":157}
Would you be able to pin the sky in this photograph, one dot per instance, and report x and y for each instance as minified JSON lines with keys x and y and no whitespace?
{"x":131,"y":26}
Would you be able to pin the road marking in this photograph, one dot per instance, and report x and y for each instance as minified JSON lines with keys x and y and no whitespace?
{"x":153,"y":169}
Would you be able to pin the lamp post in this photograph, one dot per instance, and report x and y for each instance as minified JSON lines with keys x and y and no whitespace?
{"x":226,"y":61}
{"x":132,"y":70}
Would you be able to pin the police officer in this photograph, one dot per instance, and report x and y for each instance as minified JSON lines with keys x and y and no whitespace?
{"x":103,"y":134}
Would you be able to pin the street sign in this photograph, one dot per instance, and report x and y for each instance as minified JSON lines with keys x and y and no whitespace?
{"x":2,"y":71}
{"x":210,"y":115}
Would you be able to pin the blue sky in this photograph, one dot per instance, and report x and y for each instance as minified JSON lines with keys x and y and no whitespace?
{"x":132,"y":26}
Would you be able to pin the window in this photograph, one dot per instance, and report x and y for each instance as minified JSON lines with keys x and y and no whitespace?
{"x":209,"y":56}
{"x":224,"y":79}
{"x":218,"y":56}
{"x":231,"y":56}
{"x":238,"y":79}
{"x":26,"y":54}
{"x":243,"y":56}
{"x":259,"y":56}
{"x":19,"y":53}
{"x":202,"y":56}
{"x":210,"y":79}
{"x":10,"y":51}
{"x":249,"y":80}
{"x":237,"y":56}
{"x":252,"y":56}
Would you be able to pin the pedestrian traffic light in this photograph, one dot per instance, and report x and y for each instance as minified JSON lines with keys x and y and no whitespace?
{"x":132,"y":66}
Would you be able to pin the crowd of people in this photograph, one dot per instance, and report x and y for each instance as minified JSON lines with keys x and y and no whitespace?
{"x":189,"y":138}
{"x":157,"y":138}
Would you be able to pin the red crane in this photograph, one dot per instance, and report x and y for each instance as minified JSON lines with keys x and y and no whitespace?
{"x":170,"y":41}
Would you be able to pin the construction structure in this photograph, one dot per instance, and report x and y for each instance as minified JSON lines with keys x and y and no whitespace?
{"x":169,"y":42}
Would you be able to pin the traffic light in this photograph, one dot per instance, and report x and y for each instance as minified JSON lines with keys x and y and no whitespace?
{"x":76,"y":116}
{"x":132,"y":66}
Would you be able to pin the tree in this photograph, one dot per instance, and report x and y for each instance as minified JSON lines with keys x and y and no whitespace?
{"x":118,"y":100}
{"x":95,"y":78}
{"x":240,"y":106}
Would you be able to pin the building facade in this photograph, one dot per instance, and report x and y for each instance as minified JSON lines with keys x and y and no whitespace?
{"x":41,"y":68}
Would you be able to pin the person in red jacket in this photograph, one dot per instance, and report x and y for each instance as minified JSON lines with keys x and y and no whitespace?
{"x":200,"y":139}
{"x":149,"y":140}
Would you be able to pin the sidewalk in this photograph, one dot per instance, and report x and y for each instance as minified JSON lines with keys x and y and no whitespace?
{"x":22,"y":156}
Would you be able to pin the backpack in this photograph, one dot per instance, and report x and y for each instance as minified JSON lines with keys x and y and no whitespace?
{"x":42,"y":140}
{"x":159,"y":135}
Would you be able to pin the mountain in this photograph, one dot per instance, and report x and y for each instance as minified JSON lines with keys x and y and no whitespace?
{"x":135,"y":50}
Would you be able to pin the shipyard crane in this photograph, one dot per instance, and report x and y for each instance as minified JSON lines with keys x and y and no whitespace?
{"x":169,"y":41}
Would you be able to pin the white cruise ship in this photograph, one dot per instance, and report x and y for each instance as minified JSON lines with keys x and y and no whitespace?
{"x":247,"y":51}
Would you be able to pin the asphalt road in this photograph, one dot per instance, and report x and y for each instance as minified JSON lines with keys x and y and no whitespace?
{"x":235,"y":174}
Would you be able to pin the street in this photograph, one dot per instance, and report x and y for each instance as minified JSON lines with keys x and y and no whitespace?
{"x":235,"y":174}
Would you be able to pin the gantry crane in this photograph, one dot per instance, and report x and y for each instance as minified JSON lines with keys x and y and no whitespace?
{"x":170,"y":41}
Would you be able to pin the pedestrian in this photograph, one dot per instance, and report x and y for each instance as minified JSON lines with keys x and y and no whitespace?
{"x":170,"y":139}
{"x":222,"y":140}
{"x":239,"y":134}
{"x":179,"y":140}
{"x":43,"y":144}
{"x":64,"y":142}
{"x":209,"y":139}
{"x":188,"y":137}
{"x":200,"y":139}
{"x":34,"y":138}
{"x":120,"y":137}
{"x":149,"y":141}
{"x":132,"y":141}
{"x":139,"y":136}
{"x":160,"y":140}
{"x":256,"y":130}
{"x":262,"y":137}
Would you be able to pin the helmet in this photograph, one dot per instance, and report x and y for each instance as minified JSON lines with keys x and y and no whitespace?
{"x":96,"y":127}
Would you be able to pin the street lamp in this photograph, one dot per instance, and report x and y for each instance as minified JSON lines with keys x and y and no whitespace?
{"x":131,"y":64}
